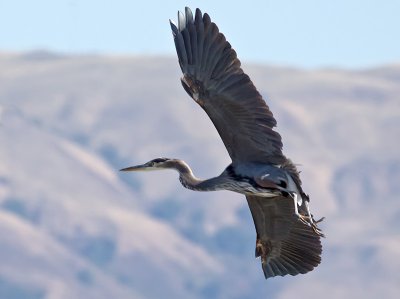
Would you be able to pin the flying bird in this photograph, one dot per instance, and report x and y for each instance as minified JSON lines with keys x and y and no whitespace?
{"x":288,"y":239}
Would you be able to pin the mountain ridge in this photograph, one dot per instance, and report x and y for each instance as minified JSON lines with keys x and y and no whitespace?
{"x":68,"y":124}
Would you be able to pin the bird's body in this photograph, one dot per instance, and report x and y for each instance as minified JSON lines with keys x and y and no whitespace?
{"x":288,"y":239}
{"x":232,"y":181}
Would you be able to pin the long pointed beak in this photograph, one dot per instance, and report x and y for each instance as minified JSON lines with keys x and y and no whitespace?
{"x":136,"y":168}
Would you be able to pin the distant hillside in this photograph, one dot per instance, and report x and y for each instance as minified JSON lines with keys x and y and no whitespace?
{"x":73,"y":226}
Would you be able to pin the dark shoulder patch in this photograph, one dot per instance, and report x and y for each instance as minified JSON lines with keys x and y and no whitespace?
{"x":231,"y":171}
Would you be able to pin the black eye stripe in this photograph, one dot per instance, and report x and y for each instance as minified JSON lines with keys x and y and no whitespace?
{"x":159,"y":160}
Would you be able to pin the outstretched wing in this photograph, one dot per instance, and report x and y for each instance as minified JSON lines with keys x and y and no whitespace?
{"x":212,"y":76}
{"x":285,"y":244}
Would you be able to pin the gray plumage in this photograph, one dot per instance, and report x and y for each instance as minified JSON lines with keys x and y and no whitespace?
{"x":288,"y":239}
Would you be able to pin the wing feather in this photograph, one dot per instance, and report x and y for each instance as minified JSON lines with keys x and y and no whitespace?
{"x":212,"y":76}
{"x":285,"y":244}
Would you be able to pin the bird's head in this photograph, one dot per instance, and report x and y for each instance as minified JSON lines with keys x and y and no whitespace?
{"x":155,"y":164}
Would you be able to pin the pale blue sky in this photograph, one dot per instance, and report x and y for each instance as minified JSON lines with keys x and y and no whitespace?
{"x":303,"y":33}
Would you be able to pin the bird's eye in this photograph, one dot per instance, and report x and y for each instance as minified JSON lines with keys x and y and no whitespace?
{"x":282,"y":183}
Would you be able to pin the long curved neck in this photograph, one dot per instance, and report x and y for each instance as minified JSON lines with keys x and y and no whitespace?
{"x":190,"y":181}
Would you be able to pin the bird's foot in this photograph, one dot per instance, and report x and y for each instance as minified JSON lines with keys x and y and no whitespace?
{"x":309,"y":221}
{"x":306,"y":219}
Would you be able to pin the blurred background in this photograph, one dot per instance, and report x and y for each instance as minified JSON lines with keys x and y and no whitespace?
{"x":88,"y":87}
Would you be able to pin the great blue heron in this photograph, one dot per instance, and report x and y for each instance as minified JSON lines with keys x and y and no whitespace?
{"x":288,"y":239}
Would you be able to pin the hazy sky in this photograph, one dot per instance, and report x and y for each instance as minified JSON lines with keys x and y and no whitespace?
{"x":305,"y":33}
